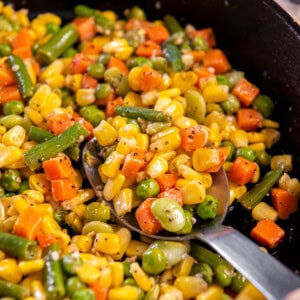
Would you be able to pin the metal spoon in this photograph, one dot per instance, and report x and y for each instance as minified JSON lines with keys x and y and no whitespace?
{"x":270,"y":276}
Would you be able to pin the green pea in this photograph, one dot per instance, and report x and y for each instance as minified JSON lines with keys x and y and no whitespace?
{"x":199,"y":43}
{"x":223,"y":80}
{"x":70,"y":263}
{"x":73,"y":284}
{"x":234,"y":77}
{"x":69,"y":52}
{"x":263,"y":158}
{"x":238,"y":282}
{"x":103,"y":90}
{"x":264,"y":104}
{"x":138,"y":61}
{"x":10,"y":121}
{"x":169,"y":214}
{"x":185,"y":46}
{"x":147,"y":188}
{"x":96,"y":227}
{"x":137,"y":13}
{"x":104,"y":58}
{"x":187,"y":228}
{"x":154,"y":261}
{"x":126,"y":267}
{"x":83,"y":294}
{"x":205,"y":270}
{"x":246,"y":152}
{"x":92,"y":114}
{"x":160,"y":64}
{"x":11,"y":180}
{"x":208,"y":208}
{"x":231,"y":146}
{"x":52,"y":28}
{"x":123,"y":88}
{"x":14,"y":107}
{"x":24,"y":186}
{"x":96,"y":70}
{"x":223,"y":275}
{"x":113,"y":76}
{"x":5,"y":49}
{"x":96,"y":211}
{"x":231,"y":105}
{"x":130,"y":281}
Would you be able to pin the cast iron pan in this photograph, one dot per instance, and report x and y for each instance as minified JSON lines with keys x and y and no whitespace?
{"x":260,"y":39}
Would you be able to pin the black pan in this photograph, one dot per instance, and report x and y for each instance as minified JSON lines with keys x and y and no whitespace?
{"x":259,"y":38}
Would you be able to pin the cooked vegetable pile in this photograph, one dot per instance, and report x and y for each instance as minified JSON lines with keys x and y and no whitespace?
{"x":168,"y":111}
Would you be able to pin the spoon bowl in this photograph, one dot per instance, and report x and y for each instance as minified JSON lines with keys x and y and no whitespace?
{"x":270,"y":276}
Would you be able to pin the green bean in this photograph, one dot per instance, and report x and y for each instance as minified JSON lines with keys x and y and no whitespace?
{"x":137,"y":13}
{"x":70,"y":262}
{"x":263,"y":158}
{"x":207,"y":209}
{"x":94,"y":227}
{"x":97,"y":211}
{"x":195,"y":105}
{"x":205,"y":270}
{"x":188,"y":226}
{"x":155,"y":127}
{"x":5,"y":49}
{"x":223,"y":80}
{"x":92,"y":114}
{"x":264,"y":105}
{"x":82,"y":10}
{"x":59,"y":42}
{"x":103,"y":90}
{"x":246,"y":152}
{"x":96,"y":70}
{"x":21,"y":75}
{"x":38,"y":134}
{"x":223,"y":275}
{"x":172,"y":24}
{"x":154,"y":261}
{"x":18,"y":246}
{"x":231,"y":105}
{"x":15,"y":291}
{"x":36,"y":155}
{"x":231,"y":146}
{"x":53,"y":275}
{"x":147,"y":188}
{"x":238,"y":282}
{"x":83,"y":294}
{"x":173,"y":56}
{"x":141,"y":112}
{"x":257,"y":193}
{"x":69,"y":52}
{"x":14,"y":107}
{"x":11,"y":180}
{"x":10,"y":121}
{"x":178,"y":39}
{"x":73,"y":284}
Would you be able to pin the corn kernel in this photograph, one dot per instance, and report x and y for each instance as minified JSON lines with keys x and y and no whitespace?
{"x":207,"y":81}
{"x":215,"y":117}
{"x":88,"y":273}
{"x":113,"y":186}
{"x":184,"y":267}
{"x":255,"y":137}
{"x":257,"y":146}
{"x":190,"y":286}
{"x":117,"y":274}
{"x":290,"y":184}
{"x":239,"y":138}
{"x":133,"y":99}
{"x":33,"y":196}
{"x":108,"y":243}
{"x":215,"y":93}
{"x":170,"y":93}
{"x":157,"y":166}
{"x":31,"y":266}
{"x":40,"y":183}
{"x":272,"y":136}
{"x":129,"y":130}
{"x":44,"y":209}
{"x":136,"y":248}
{"x":175,"y":109}
{"x":117,"y":122}
{"x":250,"y":292}
{"x":214,"y":135}
{"x":15,"y":136}
{"x":112,"y":164}
{"x":184,"y":80}
{"x":168,"y":142}
{"x":193,"y":193}
{"x":105,"y":134}
{"x":85,"y":96}
{"x":9,"y":270}
{"x":38,"y":290}
{"x":93,"y":260}
{"x":83,"y":242}
{"x":19,"y":203}
{"x":205,"y":158}
{"x":33,"y":115}
{"x":169,"y":292}
{"x":264,"y":211}
{"x":206,"y":179}
{"x":126,"y":292}
{"x":184,"y":122}
{"x":142,"y":279}
{"x":123,"y":201}
{"x":166,"y":155}
{"x":9,"y":155}
{"x":256,"y":175}
{"x":188,"y":173}
{"x":286,"y":159}
{"x":213,"y":292}
{"x":81,"y":197}
{"x":181,"y":159}
{"x":142,"y":141}
{"x":126,"y":144}
{"x":124,"y":237}
{"x":236,"y":191}
{"x":270,"y":123}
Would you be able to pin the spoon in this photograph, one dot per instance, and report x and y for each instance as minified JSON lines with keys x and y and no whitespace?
{"x":270,"y":276}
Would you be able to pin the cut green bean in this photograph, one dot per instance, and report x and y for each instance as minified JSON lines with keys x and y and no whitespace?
{"x":173,"y":56}
{"x":140,"y":112}
{"x":21,"y":75}
{"x":38,"y":134}
{"x":17,"y":246}
{"x":82,"y":10}
{"x":36,"y":155}
{"x":15,"y":291}
{"x":172,"y":24}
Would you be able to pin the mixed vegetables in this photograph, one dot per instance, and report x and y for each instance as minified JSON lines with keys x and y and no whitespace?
{"x":167,"y":110}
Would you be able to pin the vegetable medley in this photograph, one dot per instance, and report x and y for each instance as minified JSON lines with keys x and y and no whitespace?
{"x":168,"y":111}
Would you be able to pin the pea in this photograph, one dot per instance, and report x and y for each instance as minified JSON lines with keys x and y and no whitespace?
{"x":97,"y":211}
{"x":96,"y":70}
{"x":92,"y":114}
{"x":24,"y":186}
{"x":223,"y":275}
{"x":10,"y":121}
{"x":246,"y":152}
{"x":188,"y":223}
{"x":138,"y":61}
{"x":169,"y":214}
{"x":263,"y":158}
{"x":69,"y":52}
{"x":208,"y":208}
{"x":154,"y":261}
{"x":11,"y":180}
{"x":104,"y":58}
{"x":14,"y":107}
{"x":234,"y":77}
{"x":96,"y":227}
{"x":74,"y":283}
{"x":113,"y":76}
{"x":160,"y":64}
{"x":126,"y":267}
{"x":238,"y":282}
{"x":231,"y":146}
{"x":199,"y":43}
{"x":52,"y":28}
{"x":185,"y":46}
{"x":264,"y":104}
{"x":103,"y":90}
{"x":137,"y":13}
{"x":231,"y":105}
{"x":70,"y":262}
{"x":5,"y":49}
{"x":205,"y":270}
{"x":147,"y":188}
{"x":130,"y":281}
{"x":123,"y":87}
{"x":223,"y":80}
{"x":83,"y":294}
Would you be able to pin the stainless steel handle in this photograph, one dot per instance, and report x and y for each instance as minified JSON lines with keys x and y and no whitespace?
{"x":269,"y":275}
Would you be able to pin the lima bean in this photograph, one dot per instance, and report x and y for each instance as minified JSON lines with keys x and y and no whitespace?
{"x":195,"y":105}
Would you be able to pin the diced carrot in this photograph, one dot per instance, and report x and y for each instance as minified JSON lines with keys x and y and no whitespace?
{"x":23,"y":52}
{"x":28,"y":223}
{"x":45,"y":239}
{"x":284,"y":202}
{"x":134,"y":162}
{"x":149,"y":49}
{"x":63,"y":189}
{"x":223,"y":154}
{"x":146,"y":219}
{"x":248,"y":119}
{"x":204,"y":72}
{"x":88,"y":82}
{"x":242,"y":170}
{"x":166,"y":181}
{"x":208,"y":35}
{"x":35,"y":66}
{"x":149,"y":78}
{"x":198,"y":55}
{"x":80,"y":63}
{"x":86,"y":28}
{"x":58,"y":167}
{"x":23,"y":39}
{"x":91,"y":48}
{"x":267,"y":233}
{"x":172,"y":193}
{"x":79,"y":119}
{"x":9,"y":93}
{"x":157,"y":34}
{"x":6,"y":75}
{"x":111,"y":104}
{"x":135,"y":23}
{"x":217,"y":59}
{"x":192,"y":138}
{"x":118,"y":63}
{"x":245,"y":91}
{"x":58,"y":123}
{"x":100,"y":290}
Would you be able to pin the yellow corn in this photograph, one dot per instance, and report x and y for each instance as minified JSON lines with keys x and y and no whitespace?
{"x":133,"y":99}
{"x":83,"y":242}
{"x":136,"y":248}
{"x":49,"y":225}
{"x":31,"y":266}
{"x":258,"y":146}
{"x":80,"y":210}
{"x":205,"y":158}
{"x":142,"y":279}
{"x":250,"y":292}
{"x":166,"y":155}
{"x":207,"y":81}
{"x":37,"y":102}
{"x":157,"y":166}
{"x":142,"y":141}
{"x":27,"y":281}
{"x":40,"y":183}
{"x":255,"y":137}
{"x":162,"y":103}
{"x":9,"y":270}
{"x":112,"y":164}
{"x":211,"y":106}
{"x":3,"y":129}
{"x":123,"y":201}
{"x":194,"y":192}
{"x":264,"y":211}
{"x":272,"y":136}
{"x":286,"y":159}
{"x":117,"y":274}
{"x":33,"y":115}
{"x":113,"y":186}
{"x":129,"y":130}
{"x":165,"y":83}
{"x":236,"y":191}
{"x":184,"y":267}
{"x":170,"y":93}
{"x":126,"y":144}
{"x":189,"y":173}
{"x":206,"y":179}
{"x":290,"y":184}
{"x":256,"y":175}
{"x":44,"y":209}
{"x":214,"y":135}
{"x":184,"y":80}
{"x":181,"y":159}
{"x":167,"y":277}
{"x":270,"y":123}
{"x":175,"y":109}
{"x":124,"y":238}
{"x":169,"y":292}
{"x":81,"y":197}
{"x":108,"y":243}
{"x":212,"y":293}
{"x":85,"y":96}
{"x":9,"y":155}
{"x":88,"y":273}
{"x":105,"y":133}
{"x":34,"y":196}
{"x":19,"y":203}
{"x":117,"y":122}
{"x":239,"y":138}
{"x":190,"y":286}
{"x":168,"y":142}
{"x":73,"y":221}
{"x":180,"y":183}
{"x":126,"y":292}
{"x":215,"y":117}
{"x":2,"y":255}
{"x":183,"y":122}
{"x":215,"y":93}
{"x":93,"y":260}
{"x":14,"y":136}
{"x":149,"y":98}
{"x":73,"y":82}
{"x":38,"y":290}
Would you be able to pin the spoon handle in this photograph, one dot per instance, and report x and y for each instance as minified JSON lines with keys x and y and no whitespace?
{"x":270,"y":276}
